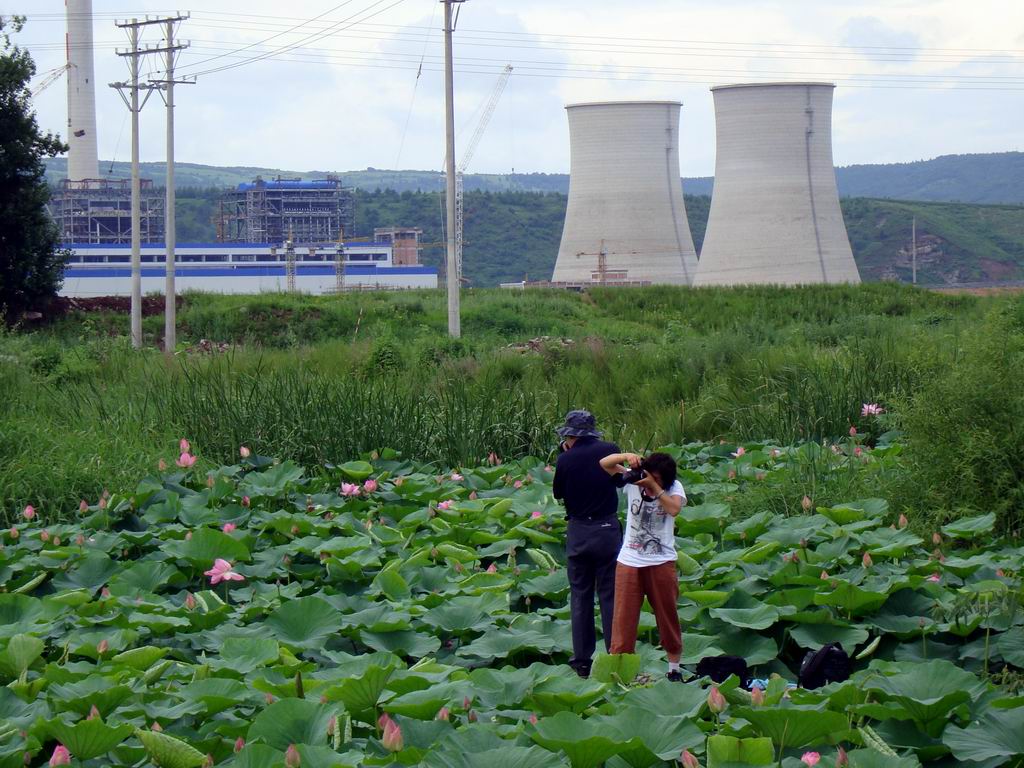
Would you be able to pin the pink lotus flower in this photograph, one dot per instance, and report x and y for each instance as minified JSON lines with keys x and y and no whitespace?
{"x":443,"y":714}
{"x":244,"y":452}
{"x":532,"y":718}
{"x":445,"y":505}
{"x":716,"y":701}
{"x":349,"y":489}
{"x":383,"y":720}
{"x":221,"y":571}
{"x":536,"y":514}
{"x":292,"y":758}
{"x":517,"y":484}
{"x":810,"y":758}
{"x":239,"y":744}
{"x":688,"y":760}
{"x":229,"y":527}
{"x":871,"y":409}
{"x":370,"y":485}
{"x":392,"y":737}
{"x":858,"y":451}
{"x":246,"y":501}
{"x":60,"y":756}
{"x":935,"y":578}
{"x":184,"y":445}
{"x":866,"y":561}
{"x":186,"y":460}
{"x":29,"y":512}
{"x":739,"y":452}
{"x":841,"y":759}
{"x":903,"y":522}
{"x":83,"y":506}
{"x":456,"y":477}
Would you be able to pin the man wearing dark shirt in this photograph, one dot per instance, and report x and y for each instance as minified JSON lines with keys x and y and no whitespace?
{"x":594,"y":533}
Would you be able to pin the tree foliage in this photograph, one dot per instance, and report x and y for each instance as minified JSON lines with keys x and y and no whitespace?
{"x":31,"y":261}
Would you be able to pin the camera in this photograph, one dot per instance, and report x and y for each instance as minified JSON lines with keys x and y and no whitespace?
{"x":634,"y":475}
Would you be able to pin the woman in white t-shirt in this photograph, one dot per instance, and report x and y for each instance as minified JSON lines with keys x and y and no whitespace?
{"x":646,"y":565}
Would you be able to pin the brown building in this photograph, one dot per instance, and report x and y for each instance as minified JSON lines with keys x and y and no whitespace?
{"x":405,"y":244}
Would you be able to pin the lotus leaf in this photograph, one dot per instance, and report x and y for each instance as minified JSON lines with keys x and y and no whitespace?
{"x":727,"y":751}
{"x":291,"y":721}
{"x":927,"y":691}
{"x":795,"y":726}
{"x":88,"y":739}
{"x":586,"y":744}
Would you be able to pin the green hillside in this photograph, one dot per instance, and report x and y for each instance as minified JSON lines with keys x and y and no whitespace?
{"x":513,"y":236}
{"x":982,"y":178}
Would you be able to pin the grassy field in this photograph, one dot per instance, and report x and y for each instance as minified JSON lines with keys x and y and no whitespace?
{"x":322,"y":379}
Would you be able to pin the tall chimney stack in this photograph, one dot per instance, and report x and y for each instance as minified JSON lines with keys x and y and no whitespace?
{"x":83,"y":159}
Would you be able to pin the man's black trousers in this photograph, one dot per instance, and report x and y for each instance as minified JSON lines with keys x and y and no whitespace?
{"x":591,"y":549}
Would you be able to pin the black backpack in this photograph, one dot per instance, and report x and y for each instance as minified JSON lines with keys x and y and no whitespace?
{"x":829,"y":664}
{"x":718,"y":668}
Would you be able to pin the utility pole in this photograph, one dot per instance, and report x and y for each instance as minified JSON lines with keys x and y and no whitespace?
{"x":171,"y":51}
{"x":134,"y":56}
{"x":913,"y":252}
{"x":452,"y":271}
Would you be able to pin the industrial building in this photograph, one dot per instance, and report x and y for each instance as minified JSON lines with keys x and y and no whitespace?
{"x":105,"y":270}
{"x":404,"y":241}
{"x":775,"y":215}
{"x":317,"y":211}
{"x":626,"y":221}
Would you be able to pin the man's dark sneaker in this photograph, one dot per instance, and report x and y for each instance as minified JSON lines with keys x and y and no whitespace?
{"x":675,"y":676}
{"x":582,"y":671}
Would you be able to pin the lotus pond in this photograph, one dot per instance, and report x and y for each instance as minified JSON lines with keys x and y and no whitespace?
{"x":378,"y":612}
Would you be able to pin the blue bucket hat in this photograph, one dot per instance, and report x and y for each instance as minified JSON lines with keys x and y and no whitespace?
{"x":579,"y":424}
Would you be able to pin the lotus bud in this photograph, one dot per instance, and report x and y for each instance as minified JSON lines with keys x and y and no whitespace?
{"x":105,"y":592}
{"x":853,"y":431}
{"x":1000,"y":573}
{"x":44,"y":535}
{"x":60,"y":756}
{"x":102,"y":503}
{"x":295,"y":530}
{"x":716,"y":701}
{"x":471,"y":716}
{"x":806,"y":503}
{"x":286,"y":560}
{"x":239,"y":744}
{"x":184,"y":445}
{"x":803,"y":543}
{"x":161,"y":465}
{"x":83,"y":506}
{"x":328,"y":516}
{"x":841,"y":759}
{"x":866,"y":561}
{"x":102,"y":647}
{"x":458,"y":567}
{"x":759,"y":476}
{"x":383,"y":720}
{"x":443,"y":714}
{"x":244,"y":452}
{"x":921,"y":623}
{"x":757,"y":697}
{"x":743,"y":535}
{"x":80,"y":540}
{"x":392,"y":738}
{"x":936,"y":538}
{"x":370,"y":486}
{"x":732,"y":474}
{"x":229,"y":527}
{"x":399,"y":480}
{"x":309,"y":504}
{"x":209,"y":481}
{"x":533,"y":718}
{"x":374,"y":455}
{"x":56,"y":541}
{"x":810,"y":758}
{"x":190,"y":602}
{"x":268,"y":698}
{"x":29,"y":512}
{"x":188,"y":536}
{"x":94,"y":713}
{"x":528,"y":601}
{"x":824,"y":575}
{"x":292,"y":758}
{"x":246,"y":502}
{"x":492,"y":568}
{"x":472,"y":495}
{"x":14,"y":533}
{"x":688,"y":760}
{"x":156,"y":726}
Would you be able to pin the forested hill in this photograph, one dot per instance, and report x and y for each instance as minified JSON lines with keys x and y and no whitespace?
{"x":513,"y":236}
{"x":981,"y":178}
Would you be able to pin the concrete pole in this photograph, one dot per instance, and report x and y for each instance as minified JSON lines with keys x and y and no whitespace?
{"x":170,"y":232}
{"x":454,"y":318}
{"x":136,"y":308}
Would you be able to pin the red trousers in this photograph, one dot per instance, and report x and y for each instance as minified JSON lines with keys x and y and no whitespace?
{"x":660,"y":585}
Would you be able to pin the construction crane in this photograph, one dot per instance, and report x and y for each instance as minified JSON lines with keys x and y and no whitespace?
{"x":471,"y":148}
{"x":49,"y":78}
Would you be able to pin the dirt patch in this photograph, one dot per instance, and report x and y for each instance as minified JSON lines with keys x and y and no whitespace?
{"x":66,"y":305}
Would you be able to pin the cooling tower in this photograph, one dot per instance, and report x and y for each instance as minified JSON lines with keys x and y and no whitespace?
{"x":83,"y":162}
{"x":775,"y":215}
{"x":625,"y":221}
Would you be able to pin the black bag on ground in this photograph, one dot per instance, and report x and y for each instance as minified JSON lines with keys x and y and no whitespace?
{"x":718,"y":668}
{"x":829,"y":664}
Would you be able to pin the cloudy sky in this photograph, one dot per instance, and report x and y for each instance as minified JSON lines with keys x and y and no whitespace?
{"x":330,"y":85}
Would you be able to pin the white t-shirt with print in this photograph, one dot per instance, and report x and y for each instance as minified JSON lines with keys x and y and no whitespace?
{"x":650,"y":531}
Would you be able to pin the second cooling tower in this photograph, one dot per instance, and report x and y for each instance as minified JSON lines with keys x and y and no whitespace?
{"x":625,"y":221}
{"x":775,"y":215}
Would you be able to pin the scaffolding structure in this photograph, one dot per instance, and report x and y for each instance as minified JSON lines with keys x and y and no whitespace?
{"x":99,"y":211}
{"x":266,"y":211}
